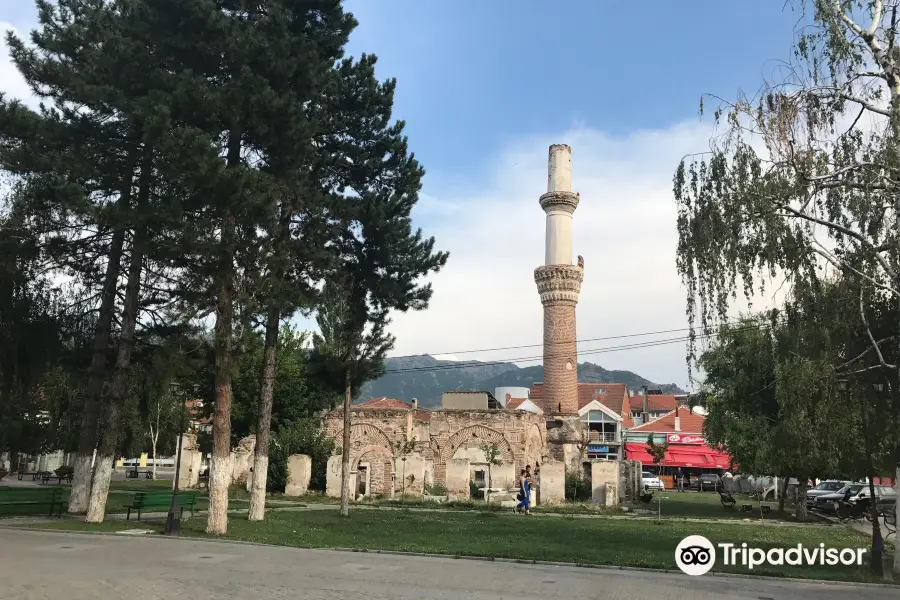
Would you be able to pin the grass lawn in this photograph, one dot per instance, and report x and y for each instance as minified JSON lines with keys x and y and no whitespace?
{"x":669,"y":504}
{"x":621,"y":542}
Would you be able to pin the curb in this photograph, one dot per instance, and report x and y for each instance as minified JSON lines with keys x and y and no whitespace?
{"x":521,"y":561}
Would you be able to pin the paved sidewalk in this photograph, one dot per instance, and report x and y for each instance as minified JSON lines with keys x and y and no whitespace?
{"x":62,"y":566}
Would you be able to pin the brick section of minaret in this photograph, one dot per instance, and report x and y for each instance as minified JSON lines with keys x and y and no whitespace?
{"x":559,"y":287}
{"x":560,"y":357}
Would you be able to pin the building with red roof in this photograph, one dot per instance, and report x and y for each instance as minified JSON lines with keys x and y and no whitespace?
{"x":682,"y":429}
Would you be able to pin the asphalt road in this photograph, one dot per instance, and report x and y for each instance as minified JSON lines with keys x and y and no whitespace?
{"x":63,"y":566}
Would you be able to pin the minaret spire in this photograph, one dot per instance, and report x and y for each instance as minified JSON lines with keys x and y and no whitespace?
{"x":559,"y":284}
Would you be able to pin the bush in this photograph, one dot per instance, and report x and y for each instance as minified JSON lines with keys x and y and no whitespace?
{"x":475,"y":491}
{"x":301,"y":437}
{"x":435,"y":489}
{"x":577,"y":488}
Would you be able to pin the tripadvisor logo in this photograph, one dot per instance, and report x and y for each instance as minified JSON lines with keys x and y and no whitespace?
{"x":696,"y":555}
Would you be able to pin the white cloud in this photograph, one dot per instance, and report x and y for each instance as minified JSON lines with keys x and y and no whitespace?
{"x":624,"y":227}
{"x":12,"y":84}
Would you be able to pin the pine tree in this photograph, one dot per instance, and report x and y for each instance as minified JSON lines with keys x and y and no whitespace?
{"x":380,"y":258}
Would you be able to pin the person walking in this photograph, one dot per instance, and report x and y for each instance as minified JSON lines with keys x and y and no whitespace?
{"x":680,"y":478}
{"x":524,"y":504}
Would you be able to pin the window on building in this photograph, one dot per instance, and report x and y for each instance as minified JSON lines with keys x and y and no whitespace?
{"x":479,"y":477}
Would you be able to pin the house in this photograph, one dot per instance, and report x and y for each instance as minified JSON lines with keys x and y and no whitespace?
{"x":605,"y":409}
{"x":682,"y":429}
{"x":522,"y":404}
{"x":649,"y":405}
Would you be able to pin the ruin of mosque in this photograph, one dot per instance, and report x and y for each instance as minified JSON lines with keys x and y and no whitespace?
{"x":557,"y":426}
{"x":396,"y":446}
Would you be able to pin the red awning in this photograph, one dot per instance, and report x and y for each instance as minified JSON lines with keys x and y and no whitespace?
{"x":698,"y":456}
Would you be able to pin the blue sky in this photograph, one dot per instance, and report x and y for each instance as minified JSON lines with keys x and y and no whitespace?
{"x":474,"y":75}
{"x":485,"y":87}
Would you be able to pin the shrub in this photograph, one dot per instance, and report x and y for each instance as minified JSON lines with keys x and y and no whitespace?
{"x":475,"y":491}
{"x":435,"y":489}
{"x":301,"y":437}
{"x":577,"y":488}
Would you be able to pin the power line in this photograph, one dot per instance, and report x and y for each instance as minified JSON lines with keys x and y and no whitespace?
{"x":596,"y":339}
{"x":635,"y":346}
{"x":592,"y":351}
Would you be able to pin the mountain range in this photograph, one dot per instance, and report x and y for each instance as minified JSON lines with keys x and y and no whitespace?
{"x":427,"y":378}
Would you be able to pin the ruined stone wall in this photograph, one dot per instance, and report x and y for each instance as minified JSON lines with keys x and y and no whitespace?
{"x":375,"y":435}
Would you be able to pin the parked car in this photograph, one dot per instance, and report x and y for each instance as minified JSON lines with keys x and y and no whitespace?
{"x":651,"y":481}
{"x":707,"y":482}
{"x":853,"y":492}
{"x":826,"y":487}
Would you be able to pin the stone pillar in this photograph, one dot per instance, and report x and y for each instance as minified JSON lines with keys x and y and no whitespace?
{"x":190,"y":457}
{"x":299,"y":467}
{"x":333,"y":477}
{"x":458,"y":478}
{"x":552,"y":483}
{"x":559,"y":284}
{"x":605,"y":482}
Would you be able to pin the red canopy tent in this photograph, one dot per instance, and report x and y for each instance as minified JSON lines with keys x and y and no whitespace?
{"x":695,"y":455}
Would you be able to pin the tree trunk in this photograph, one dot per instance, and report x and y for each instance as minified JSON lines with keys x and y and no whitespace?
{"x":118,"y":390}
{"x":87,"y":439}
{"x":897,"y":517}
{"x":801,"y":493}
{"x":345,"y":457}
{"x":783,"y":492}
{"x":264,"y":418}
{"x":877,"y":541}
{"x":220,"y":464}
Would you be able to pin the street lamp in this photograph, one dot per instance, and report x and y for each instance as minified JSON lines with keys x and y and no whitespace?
{"x":173,"y":519}
{"x":842,"y":385}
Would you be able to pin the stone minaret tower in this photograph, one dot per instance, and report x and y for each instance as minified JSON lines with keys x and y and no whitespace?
{"x":559,"y":283}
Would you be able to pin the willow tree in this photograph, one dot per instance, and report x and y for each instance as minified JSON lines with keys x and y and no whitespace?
{"x":804,"y":179}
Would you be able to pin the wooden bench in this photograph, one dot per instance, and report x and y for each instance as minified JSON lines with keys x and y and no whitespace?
{"x":134,"y":474}
{"x":34,"y":475}
{"x":46,"y":476}
{"x":160,"y":501}
{"x":32,"y":501}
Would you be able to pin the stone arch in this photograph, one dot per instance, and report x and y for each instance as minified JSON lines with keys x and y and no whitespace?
{"x":480,"y":432}
{"x":381,"y":462}
{"x":535,"y":444}
{"x":365,"y":434}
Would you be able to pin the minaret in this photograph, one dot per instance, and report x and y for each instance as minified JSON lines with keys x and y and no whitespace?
{"x":559,"y":283}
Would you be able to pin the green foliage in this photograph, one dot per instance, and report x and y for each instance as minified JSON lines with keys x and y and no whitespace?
{"x":301,"y":437}
{"x":298,"y":394}
{"x":657,"y":451}
{"x":492,"y":454}
{"x":435,"y":489}
{"x":578,"y":488}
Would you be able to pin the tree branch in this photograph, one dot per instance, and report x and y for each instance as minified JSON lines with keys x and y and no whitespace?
{"x":862,"y":313}
{"x":839,"y":264}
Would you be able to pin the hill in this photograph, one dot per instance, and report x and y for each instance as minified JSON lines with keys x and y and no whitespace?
{"x":427,"y":378}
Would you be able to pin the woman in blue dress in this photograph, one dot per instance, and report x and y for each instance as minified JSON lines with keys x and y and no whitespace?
{"x":524,"y":494}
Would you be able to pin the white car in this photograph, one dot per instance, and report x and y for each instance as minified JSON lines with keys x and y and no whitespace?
{"x":651,"y":481}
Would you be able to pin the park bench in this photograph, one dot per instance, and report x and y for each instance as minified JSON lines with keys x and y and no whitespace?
{"x":160,"y":501}
{"x":46,"y":476}
{"x":727,"y":499}
{"x":134,"y":474}
{"x":31,"y":501}
{"x":34,"y":475}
